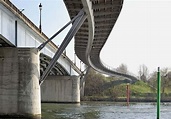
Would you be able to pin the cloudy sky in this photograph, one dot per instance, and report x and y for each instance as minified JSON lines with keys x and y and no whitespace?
{"x":141,"y":35}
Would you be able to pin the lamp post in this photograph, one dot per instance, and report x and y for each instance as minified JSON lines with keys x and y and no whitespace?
{"x":40,"y":26}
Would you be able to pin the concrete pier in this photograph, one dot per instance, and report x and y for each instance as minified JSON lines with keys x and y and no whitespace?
{"x":82,"y":86}
{"x":19,"y":82}
{"x":61,"y":89}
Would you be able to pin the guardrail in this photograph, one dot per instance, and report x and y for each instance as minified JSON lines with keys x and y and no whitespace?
{"x":121,"y":73}
{"x":19,"y":14}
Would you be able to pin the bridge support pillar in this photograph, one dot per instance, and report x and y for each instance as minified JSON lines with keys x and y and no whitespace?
{"x":82,"y":85}
{"x":61,"y":89}
{"x":19,"y":83}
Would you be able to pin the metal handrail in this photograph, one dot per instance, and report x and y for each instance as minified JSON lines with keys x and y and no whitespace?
{"x":114,"y":70}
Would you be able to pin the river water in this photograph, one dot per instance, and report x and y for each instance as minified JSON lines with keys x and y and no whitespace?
{"x":104,"y":110}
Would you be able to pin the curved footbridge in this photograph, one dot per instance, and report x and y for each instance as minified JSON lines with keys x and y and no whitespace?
{"x":92,"y":35}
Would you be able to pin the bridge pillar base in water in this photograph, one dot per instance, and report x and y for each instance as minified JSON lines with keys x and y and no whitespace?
{"x":82,"y":89}
{"x":61,"y":89}
{"x":19,"y":83}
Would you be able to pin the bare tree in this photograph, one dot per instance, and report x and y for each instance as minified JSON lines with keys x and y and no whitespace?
{"x":143,"y":73}
{"x":153,"y":81}
{"x":165,"y":80}
{"x":122,"y":68}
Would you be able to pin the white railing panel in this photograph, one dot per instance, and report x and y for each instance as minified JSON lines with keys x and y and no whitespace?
{"x":8,"y":27}
{"x":30,"y":40}
{"x":21,"y":40}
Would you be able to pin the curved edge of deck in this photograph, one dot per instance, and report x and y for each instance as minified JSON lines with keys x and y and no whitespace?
{"x":91,"y":37}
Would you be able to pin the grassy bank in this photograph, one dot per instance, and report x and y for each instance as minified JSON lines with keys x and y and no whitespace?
{"x":139,"y":92}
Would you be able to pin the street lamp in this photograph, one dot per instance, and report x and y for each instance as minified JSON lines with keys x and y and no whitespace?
{"x":40,"y":26}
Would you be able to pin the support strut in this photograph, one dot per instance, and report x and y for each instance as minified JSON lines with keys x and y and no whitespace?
{"x":51,"y":38}
{"x":78,"y":21}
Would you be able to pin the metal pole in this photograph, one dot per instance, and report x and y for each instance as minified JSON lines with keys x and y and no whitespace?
{"x":75,"y":27}
{"x":127,"y":93}
{"x":158,"y":92}
{"x":40,"y":26}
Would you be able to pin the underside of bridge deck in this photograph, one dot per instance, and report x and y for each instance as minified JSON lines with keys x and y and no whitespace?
{"x":93,"y":34}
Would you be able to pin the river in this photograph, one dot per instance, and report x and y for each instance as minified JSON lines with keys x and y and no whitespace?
{"x":104,"y":110}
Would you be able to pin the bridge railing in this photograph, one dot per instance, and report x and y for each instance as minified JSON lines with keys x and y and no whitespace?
{"x":115,"y":70}
{"x":17,"y":12}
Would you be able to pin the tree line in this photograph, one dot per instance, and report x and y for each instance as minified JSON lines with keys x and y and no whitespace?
{"x":95,"y":81}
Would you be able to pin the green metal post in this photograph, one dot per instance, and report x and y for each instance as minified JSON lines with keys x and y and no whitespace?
{"x":158,"y":92}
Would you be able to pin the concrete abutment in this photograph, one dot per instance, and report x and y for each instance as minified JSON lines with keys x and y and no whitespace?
{"x":61,"y":89}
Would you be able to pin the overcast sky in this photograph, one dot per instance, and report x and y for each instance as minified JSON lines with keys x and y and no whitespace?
{"x":141,"y":35}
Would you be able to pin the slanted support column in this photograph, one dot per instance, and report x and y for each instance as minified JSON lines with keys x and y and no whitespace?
{"x":19,"y":82}
{"x":82,"y":82}
{"x":61,"y":89}
{"x":82,"y":85}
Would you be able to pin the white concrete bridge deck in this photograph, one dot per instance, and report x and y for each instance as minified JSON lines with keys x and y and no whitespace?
{"x":16,"y":30}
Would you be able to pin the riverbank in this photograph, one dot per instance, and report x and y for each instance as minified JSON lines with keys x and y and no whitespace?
{"x":133,"y":99}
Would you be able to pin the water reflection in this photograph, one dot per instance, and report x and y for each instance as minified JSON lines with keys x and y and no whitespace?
{"x":19,"y":117}
{"x":68,"y":111}
{"x":104,"y":110}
